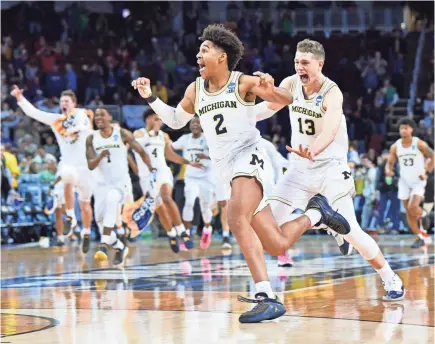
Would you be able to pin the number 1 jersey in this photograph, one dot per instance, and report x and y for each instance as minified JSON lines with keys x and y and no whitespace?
{"x":228,"y":122}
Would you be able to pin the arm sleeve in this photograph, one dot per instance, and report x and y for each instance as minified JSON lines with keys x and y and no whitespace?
{"x":261,"y":111}
{"x":41,"y":116}
{"x":175,"y":118}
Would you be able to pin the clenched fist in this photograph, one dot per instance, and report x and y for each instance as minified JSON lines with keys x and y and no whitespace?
{"x":17,"y":93}
{"x":143,"y":85}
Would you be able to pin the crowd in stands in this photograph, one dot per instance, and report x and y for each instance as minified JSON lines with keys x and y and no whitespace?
{"x":97,"y":56}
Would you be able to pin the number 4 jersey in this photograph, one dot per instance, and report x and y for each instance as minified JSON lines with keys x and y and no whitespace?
{"x":154,"y":145}
{"x":307,"y":117}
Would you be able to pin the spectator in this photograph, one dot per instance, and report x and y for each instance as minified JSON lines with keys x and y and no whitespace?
{"x":71,"y":78}
{"x":370,"y":76}
{"x":48,"y":172}
{"x":379,"y":64}
{"x":9,"y":120}
{"x":390,"y":94}
{"x":50,"y":147}
{"x":54,"y":82}
{"x":96,"y":102}
{"x":11,"y":164}
{"x":42,"y":157}
{"x":369,"y":192}
{"x":160,"y":91}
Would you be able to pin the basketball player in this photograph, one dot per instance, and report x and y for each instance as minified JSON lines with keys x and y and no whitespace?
{"x":224,"y":100}
{"x":157,"y":144}
{"x":106,"y":151}
{"x":71,"y":129}
{"x":411,"y":152}
{"x":198,"y":182}
{"x":319,"y":159}
{"x":279,"y":166}
{"x":56,"y":205}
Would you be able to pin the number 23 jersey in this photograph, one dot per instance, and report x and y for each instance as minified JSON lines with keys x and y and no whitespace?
{"x":307,"y":118}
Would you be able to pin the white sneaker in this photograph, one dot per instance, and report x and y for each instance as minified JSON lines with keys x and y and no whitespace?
{"x":394,"y":289}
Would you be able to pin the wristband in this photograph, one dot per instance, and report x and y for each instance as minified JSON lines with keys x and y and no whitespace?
{"x":152,"y":98}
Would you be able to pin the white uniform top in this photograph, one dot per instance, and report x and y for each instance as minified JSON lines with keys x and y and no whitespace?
{"x":113,"y":169}
{"x":191,"y":148}
{"x":307,"y":117}
{"x":411,"y":160}
{"x":275,"y":158}
{"x":154,"y":145}
{"x":71,"y":131}
{"x":227,"y":120}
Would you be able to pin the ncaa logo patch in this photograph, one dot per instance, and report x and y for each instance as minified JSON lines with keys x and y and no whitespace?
{"x":116,"y":137}
{"x":231,"y":87}
{"x":318,"y":100}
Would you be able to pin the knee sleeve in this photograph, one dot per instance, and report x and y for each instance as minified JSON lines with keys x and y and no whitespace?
{"x":113,"y":200}
{"x":282,"y":212}
{"x":188,"y":211}
{"x":206,"y":212}
{"x":364,"y":243}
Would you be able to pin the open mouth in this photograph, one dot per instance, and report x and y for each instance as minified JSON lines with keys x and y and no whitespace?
{"x":201,"y":67}
{"x":304,"y":78}
{"x":64,"y":110}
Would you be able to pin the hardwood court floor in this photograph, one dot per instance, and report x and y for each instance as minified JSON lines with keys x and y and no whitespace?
{"x":59,"y":296}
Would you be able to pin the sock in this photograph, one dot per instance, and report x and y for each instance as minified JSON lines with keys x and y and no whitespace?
{"x":180,"y":229}
{"x":264,"y":287}
{"x":314,"y":216}
{"x":225,"y":232}
{"x":386,"y":272}
{"x":109,"y":239}
{"x":118,"y":245}
{"x":172,"y":233}
{"x":70,"y":213}
{"x":86,"y":231}
{"x":208,"y":229}
{"x":121,"y":230}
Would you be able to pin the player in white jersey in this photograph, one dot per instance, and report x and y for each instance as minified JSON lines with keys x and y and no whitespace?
{"x":198,"y":182}
{"x":319,"y":159}
{"x":280,"y":165}
{"x":106,"y":151}
{"x":224,"y":100}
{"x":71,"y":129}
{"x":158,"y":146}
{"x":411,"y":153}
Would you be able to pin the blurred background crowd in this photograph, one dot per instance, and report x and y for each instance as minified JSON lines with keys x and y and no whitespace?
{"x":380,"y":54}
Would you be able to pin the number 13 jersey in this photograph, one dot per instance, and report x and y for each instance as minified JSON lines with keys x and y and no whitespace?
{"x":307,"y":118}
{"x":228,"y":122}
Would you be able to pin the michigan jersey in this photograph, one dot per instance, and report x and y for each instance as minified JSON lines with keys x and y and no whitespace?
{"x":227,"y":120}
{"x":411,"y":160}
{"x":154,"y":145}
{"x":113,"y":169}
{"x":192,"y":147}
{"x":307,"y":117}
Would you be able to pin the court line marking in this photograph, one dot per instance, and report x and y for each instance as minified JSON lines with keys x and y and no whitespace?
{"x":53,"y":323}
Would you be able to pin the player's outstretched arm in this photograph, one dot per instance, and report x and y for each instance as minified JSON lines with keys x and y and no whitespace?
{"x":266,"y":109}
{"x":428,"y":154}
{"x":129,"y":139}
{"x":176,"y":118}
{"x":91,"y":156}
{"x":392,"y":158}
{"x":171,"y":155}
{"x":41,"y":116}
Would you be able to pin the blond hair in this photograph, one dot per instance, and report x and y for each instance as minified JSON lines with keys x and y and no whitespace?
{"x":310,"y":46}
{"x":71,"y":94}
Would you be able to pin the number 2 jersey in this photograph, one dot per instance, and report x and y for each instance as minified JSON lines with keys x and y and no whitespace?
{"x":307,"y":118}
{"x":228,"y":122}
{"x":411,"y":161}
{"x":191,"y":148}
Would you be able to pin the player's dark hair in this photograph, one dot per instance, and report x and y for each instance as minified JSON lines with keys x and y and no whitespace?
{"x":407,"y":121}
{"x":226,"y":40}
{"x":147,"y":113}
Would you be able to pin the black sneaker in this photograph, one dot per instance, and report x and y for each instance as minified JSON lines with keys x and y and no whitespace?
{"x":120,"y":255}
{"x":330,"y":217}
{"x":419,"y":242}
{"x":266,"y":309}
{"x":187,"y":240}
{"x":86,"y":243}
{"x":101,"y":254}
{"x":174,"y":244}
{"x":60,"y":243}
{"x":68,"y":226}
{"x":226,"y":242}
